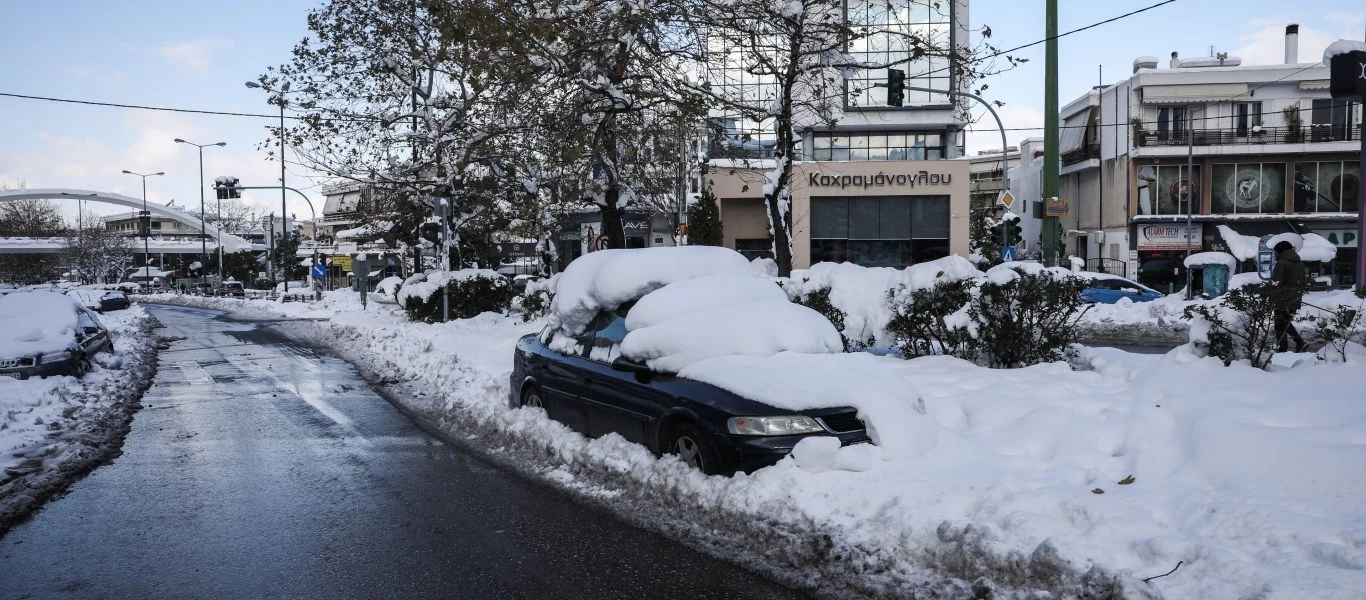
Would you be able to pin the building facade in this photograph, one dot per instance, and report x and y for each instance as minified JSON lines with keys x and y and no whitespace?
{"x":1270,"y":152}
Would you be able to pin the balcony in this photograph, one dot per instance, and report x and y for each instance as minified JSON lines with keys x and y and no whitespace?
{"x":1084,"y":153}
{"x":1245,"y":136}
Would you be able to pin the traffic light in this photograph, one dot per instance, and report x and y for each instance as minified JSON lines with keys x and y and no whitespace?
{"x":431,"y":232}
{"x":896,"y":87}
{"x":998,"y":232}
{"x":144,"y":223}
{"x":1013,"y":230}
{"x":226,"y":187}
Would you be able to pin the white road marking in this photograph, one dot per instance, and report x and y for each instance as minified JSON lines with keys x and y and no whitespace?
{"x":194,"y":373}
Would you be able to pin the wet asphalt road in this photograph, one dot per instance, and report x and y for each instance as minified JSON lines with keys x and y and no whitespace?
{"x":259,"y":468}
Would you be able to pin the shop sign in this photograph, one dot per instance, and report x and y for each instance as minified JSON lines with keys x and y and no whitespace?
{"x":879,"y":180}
{"x":342,"y":262}
{"x":1167,"y":236}
{"x":1342,"y":238}
{"x":1055,"y":207}
{"x":514,"y":249}
{"x":636,"y":226}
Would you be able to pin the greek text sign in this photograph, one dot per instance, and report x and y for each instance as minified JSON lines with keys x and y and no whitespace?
{"x":879,"y":180}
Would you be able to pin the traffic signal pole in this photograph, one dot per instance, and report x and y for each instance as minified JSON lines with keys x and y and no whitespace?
{"x":1051,"y":226}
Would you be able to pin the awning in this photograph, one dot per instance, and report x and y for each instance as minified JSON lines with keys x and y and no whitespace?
{"x":1314,"y":84}
{"x":376,"y":272}
{"x":1073,"y":131}
{"x":1186,"y":94}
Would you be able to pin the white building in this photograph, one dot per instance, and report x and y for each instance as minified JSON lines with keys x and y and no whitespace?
{"x":1272,"y":153}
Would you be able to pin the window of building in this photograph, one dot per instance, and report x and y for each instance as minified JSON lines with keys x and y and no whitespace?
{"x":1331,"y":120}
{"x":890,"y":31}
{"x":881,"y":231}
{"x":1246,"y":115}
{"x":1248,"y":188}
{"x":1327,"y":186}
{"x":878,"y":146}
{"x":754,"y":248}
{"x":1166,"y":189}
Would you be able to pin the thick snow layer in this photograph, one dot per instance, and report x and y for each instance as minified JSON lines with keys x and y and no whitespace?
{"x":892,"y":409}
{"x":1317,"y":248}
{"x":1342,"y":47}
{"x":1200,"y":259}
{"x":1243,"y":247}
{"x":607,"y":279}
{"x":1253,"y":479}
{"x":36,"y":322}
{"x":701,"y":294}
{"x":423,"y":285}
{"x":755,"y":328}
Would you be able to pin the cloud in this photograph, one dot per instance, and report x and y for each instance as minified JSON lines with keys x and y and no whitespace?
{"x":193,"y":55}
{"x":79,"y":72}
{"x":984,"y":135}
{"x":1265,"y":44}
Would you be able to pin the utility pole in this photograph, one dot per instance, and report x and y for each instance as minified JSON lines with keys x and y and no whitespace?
{"x":1051,"y":226}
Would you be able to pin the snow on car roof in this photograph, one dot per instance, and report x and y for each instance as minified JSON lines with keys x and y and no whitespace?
{"x":606,"y":279}
{"x":36,"y":322}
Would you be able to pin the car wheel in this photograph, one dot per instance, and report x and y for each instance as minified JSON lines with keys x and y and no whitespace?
{"x":687,"y":442}
{"x":532,"y":399}
{"x":82,"y":366}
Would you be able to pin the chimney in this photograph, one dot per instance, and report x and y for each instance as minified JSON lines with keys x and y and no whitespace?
{"x":1292,"y":43}
{"x":1176,"y":62}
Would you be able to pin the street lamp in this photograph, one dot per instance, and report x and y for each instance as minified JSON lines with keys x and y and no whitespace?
{"x":146,"y":254}
{"x":203,"y":238}
{"x":284,"y":219}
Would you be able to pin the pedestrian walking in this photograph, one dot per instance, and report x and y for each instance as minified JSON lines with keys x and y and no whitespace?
{"x":1289,"y":277}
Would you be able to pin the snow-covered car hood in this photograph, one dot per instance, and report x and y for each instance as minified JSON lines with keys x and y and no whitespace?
{"x":36,"y":322}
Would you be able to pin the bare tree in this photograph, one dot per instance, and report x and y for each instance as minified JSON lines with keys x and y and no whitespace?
{"x":95,"y":254}
{"x":32,"y":219}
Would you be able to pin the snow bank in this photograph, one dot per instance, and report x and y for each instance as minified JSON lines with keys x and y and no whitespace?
{"x":36,"y":322}
{"x":607,"y":279}
{"x":756,"y":328}
{"x":1200,"y":259}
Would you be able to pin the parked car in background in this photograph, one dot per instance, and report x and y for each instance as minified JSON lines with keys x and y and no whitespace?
{"x":231,"y":289}
{"x":114,"y":300}
{"x":44,"y":333}
{"x":1109,"y":289}
{"x":86,"y":297}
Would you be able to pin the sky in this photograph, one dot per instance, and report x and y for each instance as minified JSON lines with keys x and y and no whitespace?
{"x":198,"y":55}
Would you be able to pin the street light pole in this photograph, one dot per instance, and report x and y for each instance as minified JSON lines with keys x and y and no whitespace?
{"x":146,"y":253}
{"x":284,"y":212}
{"x":203,"y":236}
{"x":312,"y":214}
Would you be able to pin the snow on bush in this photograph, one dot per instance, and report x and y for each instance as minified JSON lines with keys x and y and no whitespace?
{"x":606,"y":279}
{"x":469,"y":292}
{"x":1241,"y":326}
{"x":389,"y":287}
{"x":536,"y":299}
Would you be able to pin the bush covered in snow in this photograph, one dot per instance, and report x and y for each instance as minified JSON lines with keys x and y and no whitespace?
{"x":819,"y":300}
{"x":470,"y":292}
{"x":1025,"y":314}
{"x":1337,"y":328}
{"x":922,"y":319}
{"x":1241,"y":326}
{"x":537,"y":298}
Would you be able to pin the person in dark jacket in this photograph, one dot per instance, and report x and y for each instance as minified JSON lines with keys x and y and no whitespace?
{"x":1289,"y":277}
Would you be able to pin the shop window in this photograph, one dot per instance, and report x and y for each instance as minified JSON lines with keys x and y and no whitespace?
{"x":1249,"y":188}
{"x":1165,"y":189}
{"x":1327,"y":186}
{"x":889,"y":231}
{"x":878,"y":146}
{"x":754,"y":248}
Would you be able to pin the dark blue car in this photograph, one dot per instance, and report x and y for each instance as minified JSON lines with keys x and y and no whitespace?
{"x":1109,"y":289}
{"x":596,"y":392}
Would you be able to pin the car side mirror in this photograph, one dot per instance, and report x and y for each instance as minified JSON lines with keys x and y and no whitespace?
{"x":622,"y":363}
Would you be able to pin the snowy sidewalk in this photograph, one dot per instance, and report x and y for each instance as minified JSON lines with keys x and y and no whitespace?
{"x":1041,"y":479}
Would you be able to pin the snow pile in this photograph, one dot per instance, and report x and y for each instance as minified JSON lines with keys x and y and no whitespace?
{"x":1200,"y":259}
{"x":36,"y":322}
{"x":1243,"y":247}
{"x":1310,"y":246}
{"x":1342,"y":47}
{"x":389,"y":286}
{"x":607,"y":279}
{"x":765,"y":266}
{"x":758,"y":328}
{"x":700,"y":294}
{"x":1317,"y":248}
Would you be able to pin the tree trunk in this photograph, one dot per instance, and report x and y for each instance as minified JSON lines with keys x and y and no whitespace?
{"x":611,"y":218}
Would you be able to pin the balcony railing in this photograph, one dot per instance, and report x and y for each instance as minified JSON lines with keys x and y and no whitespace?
{"x":1084,"y":153}
{"x":1250,"y":135}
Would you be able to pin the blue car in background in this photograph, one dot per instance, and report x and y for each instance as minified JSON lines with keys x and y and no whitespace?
{"x":1108,"y":289}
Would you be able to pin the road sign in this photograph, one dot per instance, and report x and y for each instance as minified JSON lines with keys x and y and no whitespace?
{"x":1007,"y":199}
{"x":319,"y":271}
{"x":1055,"y":207}
{"x":1008,"y":253}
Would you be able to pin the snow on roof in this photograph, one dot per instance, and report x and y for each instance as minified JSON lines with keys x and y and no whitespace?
{"x":366,"y":230}
{"x":150,"y":272}
{"x":1200,"y":259}
{"x":1317,"y":248}
{"x":1243,"y":247}
{"x":1342,"y":47}
{"x":606,"y":279}
{"x":36,"y":322}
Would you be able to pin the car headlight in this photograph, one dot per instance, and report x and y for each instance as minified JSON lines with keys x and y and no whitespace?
{"x":54,"y":357}
{"x":784,"y":425}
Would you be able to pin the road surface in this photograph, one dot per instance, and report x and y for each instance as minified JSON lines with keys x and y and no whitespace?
{"x":260,"y":468}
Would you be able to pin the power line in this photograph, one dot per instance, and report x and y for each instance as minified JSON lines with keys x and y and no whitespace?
{"x":177,"y":110}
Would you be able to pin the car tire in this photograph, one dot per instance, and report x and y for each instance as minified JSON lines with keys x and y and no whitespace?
{"x":688,"y":443}
{"x":82,"y":366}
{"x":531,"y":398}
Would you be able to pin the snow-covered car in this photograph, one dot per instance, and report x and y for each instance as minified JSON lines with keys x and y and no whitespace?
{"x":87,"y":298}
{"x":231,"y":289}
{"x":47,"y":333}
{"x":114,"y":300}
{"x":1109,"y":289}
{"x":648,"y":349}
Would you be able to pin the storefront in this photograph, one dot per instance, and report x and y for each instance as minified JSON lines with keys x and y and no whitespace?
{"x":874,"y":213}
{"x":1161,"y":252}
